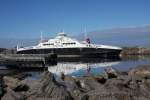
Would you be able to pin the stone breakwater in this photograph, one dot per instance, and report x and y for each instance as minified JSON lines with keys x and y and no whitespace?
{"x":113,"y":85}
{"x":135,"y":51}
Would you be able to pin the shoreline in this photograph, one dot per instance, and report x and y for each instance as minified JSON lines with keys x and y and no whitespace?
{"x":114,"y":85}
{"x":133,"y":51}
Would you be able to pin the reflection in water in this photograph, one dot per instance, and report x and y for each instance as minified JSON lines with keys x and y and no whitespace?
{"x":136,"y":57}
{"x":71,"y":68}
{"x":81,"y":67}
{"x":33,"y":74}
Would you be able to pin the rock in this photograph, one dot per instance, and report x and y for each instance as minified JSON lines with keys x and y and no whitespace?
{"x":15,"y":89}
{"x":144,"y":88}
{"x":73,"y":86}
{"x":32,"y":84}
{"x":110,"y":72}
{"x":90,"y":83}
{"x":140,"y":71}
{"x":50,"y":88}
{"x":147,"y":83}
{"x":62,"y":76}
{"x":100,"y":79}
{"x":116,"y":87}
{"x":11,"y":95}
{"x":8,"y":96}
{"x":2,"y":91}
{"x":129,"y":51}
{"x":20,"y":88}
{"x":85,"y":97}
{"x":119,"y":89}
{"x":11,"y":82}
{"x":18,"y":95}
{"x":97,"y":95}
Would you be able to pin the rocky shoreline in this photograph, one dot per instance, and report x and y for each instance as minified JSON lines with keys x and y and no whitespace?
{"x":113,"y":85}
{"x":135,"y":51}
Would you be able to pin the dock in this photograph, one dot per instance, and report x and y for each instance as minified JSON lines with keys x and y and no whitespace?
{"x":28,"y":60}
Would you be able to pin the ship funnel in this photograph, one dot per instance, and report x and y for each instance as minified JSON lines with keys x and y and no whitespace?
{"x":62,"y":34}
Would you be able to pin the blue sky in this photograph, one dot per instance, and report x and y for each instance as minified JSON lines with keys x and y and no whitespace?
{"x":26,"y":18}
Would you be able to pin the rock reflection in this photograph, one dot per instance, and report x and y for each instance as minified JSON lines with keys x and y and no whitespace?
{"x":135,"y":57}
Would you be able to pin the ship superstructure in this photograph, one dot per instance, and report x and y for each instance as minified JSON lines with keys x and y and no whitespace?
{"x":63,"y":45}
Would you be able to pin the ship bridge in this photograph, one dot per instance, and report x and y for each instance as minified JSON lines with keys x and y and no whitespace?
{"x":62,"y":34}
{"x":62,"y":40}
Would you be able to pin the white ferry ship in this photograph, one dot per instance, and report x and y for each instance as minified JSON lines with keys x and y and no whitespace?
{"x":65,"y":46}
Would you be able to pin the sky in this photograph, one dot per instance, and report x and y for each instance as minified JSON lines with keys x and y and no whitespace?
{"x":27,"y":18}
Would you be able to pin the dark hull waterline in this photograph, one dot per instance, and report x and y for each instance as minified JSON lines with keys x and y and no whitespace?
{"x":75,"y":52}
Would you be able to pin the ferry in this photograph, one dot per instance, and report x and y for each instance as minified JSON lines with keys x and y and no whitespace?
{"x":65,"y":46}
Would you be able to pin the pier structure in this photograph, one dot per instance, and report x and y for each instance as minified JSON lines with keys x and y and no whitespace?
{"x":28,"y":60}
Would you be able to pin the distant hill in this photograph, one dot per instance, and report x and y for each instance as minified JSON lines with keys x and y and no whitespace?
{"x":130,"y":36}
{"x":12,"y":43}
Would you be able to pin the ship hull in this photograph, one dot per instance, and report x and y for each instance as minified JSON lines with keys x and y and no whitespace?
{"x":75,"y":52}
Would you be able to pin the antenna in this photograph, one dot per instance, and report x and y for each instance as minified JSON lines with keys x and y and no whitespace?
{"x":85,"y":34}
{"x":41,"y":36}
{"x":17,"y":47}
{"x":62,"y":30}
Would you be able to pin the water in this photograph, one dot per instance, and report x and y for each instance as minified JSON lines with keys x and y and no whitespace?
{"x":96,"y":67}
{"x":82,"y":67}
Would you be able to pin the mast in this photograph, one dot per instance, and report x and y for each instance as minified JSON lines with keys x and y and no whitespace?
{"x":41,"y":40}
{"x":86,"y":37}
{"x":63,"y":31}
{"x":17,"y":47}
{"x":85,"y":34}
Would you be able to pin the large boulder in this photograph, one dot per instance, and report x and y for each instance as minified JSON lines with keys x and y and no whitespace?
{"x":119,"y":89}
{"x":140,"y":71}
{"x":110,"y":72}
{"x":50,"y":88}
{"x":15,"y":89}
{"x":11,"y":95}
{"x":2,"y":86}
{"x":11,"y":82}
{"x":115,"y":87}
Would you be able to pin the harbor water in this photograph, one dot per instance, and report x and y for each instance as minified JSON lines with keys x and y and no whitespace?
{"x":82,"y":67}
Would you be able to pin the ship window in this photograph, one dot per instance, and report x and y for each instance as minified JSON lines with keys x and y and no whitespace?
{"x":69,"y":43}
{"x":48,"y":44}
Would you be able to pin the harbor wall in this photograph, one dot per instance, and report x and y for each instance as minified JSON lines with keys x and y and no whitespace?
{"x":135,"y":51}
